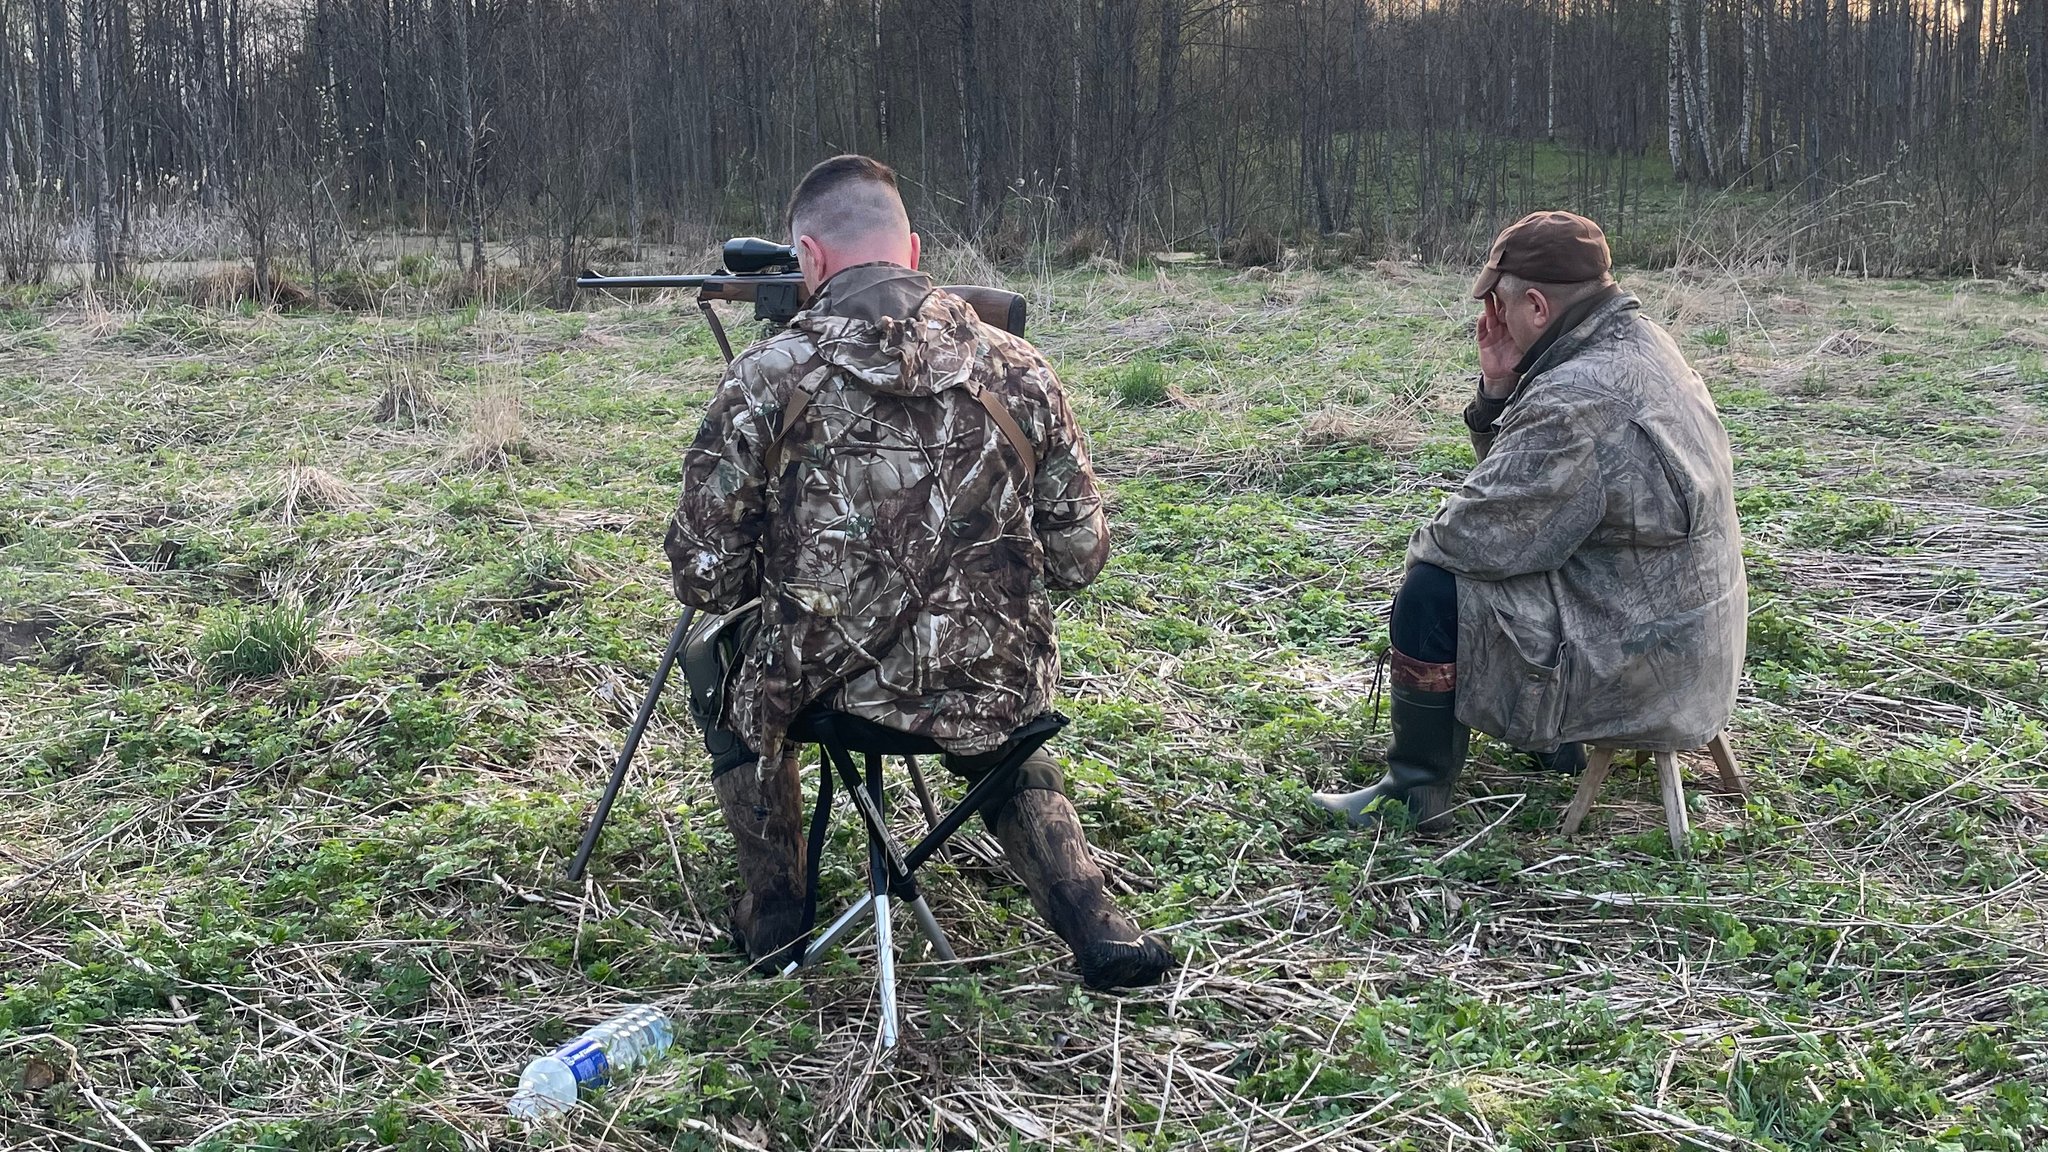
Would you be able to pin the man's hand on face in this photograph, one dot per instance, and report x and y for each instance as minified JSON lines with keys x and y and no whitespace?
{"x":1497,"y":352}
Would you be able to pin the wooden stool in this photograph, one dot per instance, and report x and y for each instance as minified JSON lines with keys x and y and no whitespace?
{"x":1600,"y":761}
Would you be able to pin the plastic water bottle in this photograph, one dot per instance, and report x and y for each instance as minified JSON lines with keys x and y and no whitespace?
{"x":550,"y":1084}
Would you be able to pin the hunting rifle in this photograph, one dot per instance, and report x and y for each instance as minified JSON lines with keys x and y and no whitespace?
{"x":765,"y":273}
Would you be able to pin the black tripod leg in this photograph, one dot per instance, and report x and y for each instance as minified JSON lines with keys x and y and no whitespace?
{"x":611,"y":789}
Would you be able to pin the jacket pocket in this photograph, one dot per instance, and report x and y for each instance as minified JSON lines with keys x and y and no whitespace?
{"x":1529,"y":674}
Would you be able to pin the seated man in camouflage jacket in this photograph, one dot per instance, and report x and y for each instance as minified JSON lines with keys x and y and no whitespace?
{"x":852,"y":475}
{"x":1585,"y":584}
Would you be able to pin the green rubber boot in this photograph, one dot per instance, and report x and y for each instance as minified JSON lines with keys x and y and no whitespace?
{"x":1423,"y":761}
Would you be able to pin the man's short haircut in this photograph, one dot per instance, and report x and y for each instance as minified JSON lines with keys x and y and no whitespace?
{"x":1561,"y":296}
{"x":846,"y":199}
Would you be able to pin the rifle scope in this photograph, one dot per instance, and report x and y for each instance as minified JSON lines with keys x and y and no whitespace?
{"x":753,"y":256}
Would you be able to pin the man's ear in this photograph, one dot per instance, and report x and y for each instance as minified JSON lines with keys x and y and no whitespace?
{"x":916,"y":250}
{"x":1540,"y":305}
{"x":810,"y":260}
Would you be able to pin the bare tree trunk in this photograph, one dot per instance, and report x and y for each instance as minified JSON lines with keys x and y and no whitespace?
{"x":472,"y":151}
{"x":969,"y":85}
{"x":1747,"y":130}
{"x":13,"y":126}
{"x":1074,"y":115}
{"x":1163,"y":101}
{"x":1971,"y":39}
{"x":93,"y":127}
{"x":214,"y":90}
{"x":881,"y":73}
{"x":632,"y":177}
{"x":2037,"y":70}
{"x":1699,"y":99}
{"x":1674,"y":98}
{"x":1550,"y":72}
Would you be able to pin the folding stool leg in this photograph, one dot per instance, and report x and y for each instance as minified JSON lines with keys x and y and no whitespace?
{"x":941,"y":947}
{"x":1598,"y":763}
{"x":831,"y":936}
{"x":1724,"y":759}
{"x":1674,"y":804}
{"x":924,"y":794}
{"x":878,"y":881}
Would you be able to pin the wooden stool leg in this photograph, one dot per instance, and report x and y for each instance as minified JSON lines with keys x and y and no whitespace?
{"x":1724,"y":759}
{"x":1674,"y":803}
{"x":1598,"y":762}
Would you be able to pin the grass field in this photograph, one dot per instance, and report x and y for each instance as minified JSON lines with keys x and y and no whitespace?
{"x":317,"y":634}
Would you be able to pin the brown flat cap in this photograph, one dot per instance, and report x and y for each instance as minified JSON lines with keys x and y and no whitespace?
{"x":1549,"y":248}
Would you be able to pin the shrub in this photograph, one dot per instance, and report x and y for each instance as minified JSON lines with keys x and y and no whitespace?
{"x":28,"y":239}
{"x":1256,"y":248}
{"x":228,"y":287}
{"x":1083,"y":245}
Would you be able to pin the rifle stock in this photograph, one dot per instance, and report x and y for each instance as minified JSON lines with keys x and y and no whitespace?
{"x":997,"y":307}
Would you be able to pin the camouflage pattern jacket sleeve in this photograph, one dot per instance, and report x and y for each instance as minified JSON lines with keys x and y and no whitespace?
{"x":1529,"y":503}
{"x":1067,"y":511}
{"x":714,"y":536}
{"x":1482,"y":418}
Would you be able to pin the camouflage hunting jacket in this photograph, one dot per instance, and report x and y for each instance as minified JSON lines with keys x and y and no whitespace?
{"x":900,"y":544}
{"x":1601,"y":594}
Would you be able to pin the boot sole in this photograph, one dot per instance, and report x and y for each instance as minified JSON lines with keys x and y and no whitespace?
{"x":1107,"y":964}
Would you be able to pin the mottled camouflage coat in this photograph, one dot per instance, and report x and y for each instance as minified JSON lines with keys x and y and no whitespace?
{"x":1600,"y":587}
{"x":902,"y":554}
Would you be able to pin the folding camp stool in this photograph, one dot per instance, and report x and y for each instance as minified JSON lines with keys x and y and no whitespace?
{"x":891,"y":871}
{"x":1600,"y":761}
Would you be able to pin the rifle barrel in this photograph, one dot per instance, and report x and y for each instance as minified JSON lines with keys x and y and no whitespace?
{"x":593,"y":280}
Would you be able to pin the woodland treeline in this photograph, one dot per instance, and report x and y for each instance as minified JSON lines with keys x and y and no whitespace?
{"x":1892,"y":135}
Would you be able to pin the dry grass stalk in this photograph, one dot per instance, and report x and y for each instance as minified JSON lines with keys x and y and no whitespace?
{"x":408,"y":400}
{"x":495,"y":435}
{"x":958,"y":261}
{"x":227,"y":287}
{"x":1389,"y":428}
{"x":303,"y":489}
{"x":99,"y":321}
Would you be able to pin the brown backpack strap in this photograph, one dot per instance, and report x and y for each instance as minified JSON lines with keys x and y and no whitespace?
{"x":1011,"y":430}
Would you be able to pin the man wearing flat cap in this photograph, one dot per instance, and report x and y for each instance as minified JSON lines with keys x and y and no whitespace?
{"x":1585,"y":584}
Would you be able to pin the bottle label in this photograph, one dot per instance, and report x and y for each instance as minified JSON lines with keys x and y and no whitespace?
{"x":586,"y":1059}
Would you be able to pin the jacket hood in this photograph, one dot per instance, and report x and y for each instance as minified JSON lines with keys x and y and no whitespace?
{"x":889,"y":327}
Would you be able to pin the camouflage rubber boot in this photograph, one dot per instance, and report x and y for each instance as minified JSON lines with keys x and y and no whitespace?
{"x":1041,"y":834}
{"x":765,"y":812}
{"x":1423,"y":761}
